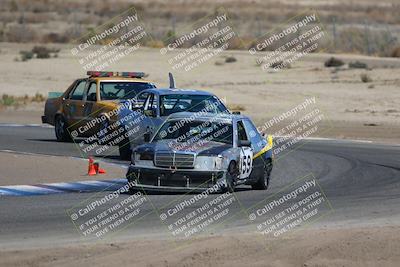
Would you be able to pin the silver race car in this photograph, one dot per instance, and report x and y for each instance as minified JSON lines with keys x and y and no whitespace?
{"x":193,"y":151}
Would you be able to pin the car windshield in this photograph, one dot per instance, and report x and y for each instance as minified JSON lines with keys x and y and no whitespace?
{"x":122,"y":90}
{"x":195,"y":131}
{"x":170,"y":104}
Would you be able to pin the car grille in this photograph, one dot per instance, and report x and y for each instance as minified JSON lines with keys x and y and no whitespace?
{"x":170,"y":159}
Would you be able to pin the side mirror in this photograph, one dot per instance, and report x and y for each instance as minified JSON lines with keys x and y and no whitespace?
{"x":146,"y":137}
{"x":244,"y":143}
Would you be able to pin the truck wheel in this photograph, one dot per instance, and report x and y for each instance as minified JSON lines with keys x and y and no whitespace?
{"x":125,"y":151}
{"x":263,"y":181}
{"x":61,"y":130}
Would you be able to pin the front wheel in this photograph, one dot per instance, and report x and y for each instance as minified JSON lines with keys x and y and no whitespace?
{"x":61,"y":130}
{"x":263,"y":181}
{"x":231,"y":178}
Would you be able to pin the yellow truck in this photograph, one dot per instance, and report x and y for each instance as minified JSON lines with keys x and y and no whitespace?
{"x":89,"y":98}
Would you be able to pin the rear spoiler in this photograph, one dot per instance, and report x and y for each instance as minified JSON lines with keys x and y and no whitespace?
{"x":171,"y":80}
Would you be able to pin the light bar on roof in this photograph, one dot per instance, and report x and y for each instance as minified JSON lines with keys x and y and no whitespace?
{"x":128,"y":74}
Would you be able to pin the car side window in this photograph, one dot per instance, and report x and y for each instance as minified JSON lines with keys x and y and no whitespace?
{"x":257,"y":142}
{"x":77,"y":93}
{"x":241,"y":132}
{"x":140,"y":100}
{"x":154,"y":103}
{"x":91,"y":93}
{"x":149,"y":102}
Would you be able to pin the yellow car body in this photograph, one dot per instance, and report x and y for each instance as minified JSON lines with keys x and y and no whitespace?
{"x":84,"y":101}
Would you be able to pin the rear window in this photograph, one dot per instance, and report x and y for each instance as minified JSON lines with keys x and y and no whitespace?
{"x":170,"y":104}
{"x":122,"y":90}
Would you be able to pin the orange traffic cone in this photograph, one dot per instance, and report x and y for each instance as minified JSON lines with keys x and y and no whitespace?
{"x":98,"y":169}
{"x":102,"y":171}
{"x":91,"y":168}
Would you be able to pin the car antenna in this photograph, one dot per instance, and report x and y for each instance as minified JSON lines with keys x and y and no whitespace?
{"x":171,"y":80}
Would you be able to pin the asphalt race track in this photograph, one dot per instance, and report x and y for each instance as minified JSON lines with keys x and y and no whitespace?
{"x":360,"y":180}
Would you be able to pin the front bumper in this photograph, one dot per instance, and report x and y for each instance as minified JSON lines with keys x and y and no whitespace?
{"x":181,"y":180}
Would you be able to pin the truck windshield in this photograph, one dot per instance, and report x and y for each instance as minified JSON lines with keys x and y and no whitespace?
{"x":170,"y":104}
{"x":195,"y":131}
{"x":122,"y":90}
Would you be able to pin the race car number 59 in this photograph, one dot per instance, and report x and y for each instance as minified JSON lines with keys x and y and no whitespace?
{"x":246,"y":162}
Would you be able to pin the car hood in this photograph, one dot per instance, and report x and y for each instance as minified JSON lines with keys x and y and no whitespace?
{"x":210,"y":148}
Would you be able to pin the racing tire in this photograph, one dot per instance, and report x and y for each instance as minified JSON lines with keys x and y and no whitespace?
{"x":263,"y":181}
{"x":124,"y":151}
{"x":123,"y":147}
{"x":231,"y":177}
{"x":61,"y":129}
{"x":104,"y":125}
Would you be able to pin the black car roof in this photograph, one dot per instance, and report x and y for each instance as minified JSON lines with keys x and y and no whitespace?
{"x":170,"y":91}
{"x":207,"y":116}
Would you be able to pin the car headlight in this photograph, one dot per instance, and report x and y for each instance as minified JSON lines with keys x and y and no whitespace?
{"x":141,"y":156}
{"x":146,"y":156}
{"x":218,"y":162}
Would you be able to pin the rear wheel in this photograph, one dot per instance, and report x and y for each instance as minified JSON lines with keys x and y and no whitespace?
{"x":61,"y":130}
{"x":263,"y":181}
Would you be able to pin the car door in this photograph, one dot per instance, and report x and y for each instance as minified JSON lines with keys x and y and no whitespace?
{"x":246,"y":153}
{"x":257,"y":144}
{"x":143,"y":116}
{"x":152,"y":113}
{"x":73,"y":106}
{"x":91,"y":108}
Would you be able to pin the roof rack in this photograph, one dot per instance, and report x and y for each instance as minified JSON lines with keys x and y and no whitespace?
{"x":116,"y":74}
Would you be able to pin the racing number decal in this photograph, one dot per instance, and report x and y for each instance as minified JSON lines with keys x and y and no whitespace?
{"x":246,"y":162}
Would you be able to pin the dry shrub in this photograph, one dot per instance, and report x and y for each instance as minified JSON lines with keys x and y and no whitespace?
{"x":396,"y":52}
{"x":26,"y":55}
{"x":7,"y":100}
{"x":44,"y":52}
{"x":230,"y":59}
{"x":155,"y":43}
{"x":55,"y":38}
{"x":236,"y":107}
{"x":365,"y":78}
{"x":236,"y":44}
{"x":38,"y":97}
{"x":334,"y":62}
{"x":358,"y":65}
{"x":280,"y":65}
{"x":17,"y":101}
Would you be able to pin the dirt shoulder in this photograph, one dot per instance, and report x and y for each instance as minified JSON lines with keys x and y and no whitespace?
{"x":377,"y":246}
{"x":20,"y":169}
{"x":21,"y":116}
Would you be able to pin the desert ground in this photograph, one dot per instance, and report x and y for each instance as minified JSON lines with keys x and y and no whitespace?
{"x":352,"y":108}
{"x":351,"y":247}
